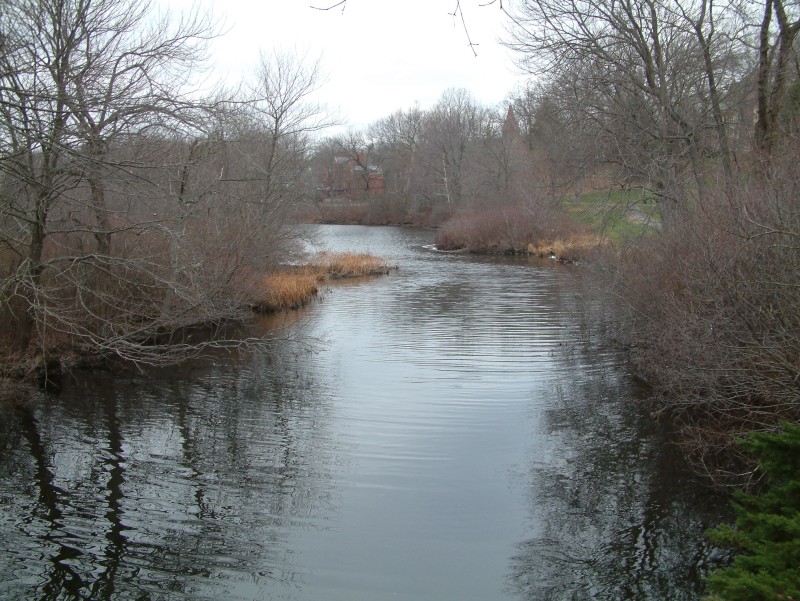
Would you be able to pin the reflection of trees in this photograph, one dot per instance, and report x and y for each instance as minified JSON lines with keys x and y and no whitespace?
{"x":78,"y":500}
{"x":247,"y":474}
{"x":116,"y":541}
{"x":63,"y":578}
{"x":244,"y":475}
{"x":165,"y":486}
{"x":618,"y":516}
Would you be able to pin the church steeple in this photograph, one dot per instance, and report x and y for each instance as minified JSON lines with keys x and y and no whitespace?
{"x":511,"y":125}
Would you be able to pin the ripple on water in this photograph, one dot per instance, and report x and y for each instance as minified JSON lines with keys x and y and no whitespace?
{"x":457,"y":436}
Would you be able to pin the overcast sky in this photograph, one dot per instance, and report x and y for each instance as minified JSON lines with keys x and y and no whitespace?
{"x":379,"y":55}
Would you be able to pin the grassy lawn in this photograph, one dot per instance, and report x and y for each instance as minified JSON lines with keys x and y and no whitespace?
{"x":616,"y":213}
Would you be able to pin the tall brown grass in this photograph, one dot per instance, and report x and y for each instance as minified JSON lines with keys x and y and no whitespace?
{"x":349,"y":265}
{"x":294,"y":287}
{"x":287,"y":290}
{"x":570,"y":249}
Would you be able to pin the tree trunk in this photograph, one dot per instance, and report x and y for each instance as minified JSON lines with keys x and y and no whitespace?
{"x":716,"y":107}
{"x":103,"y":232}
{"x":773,"y":65}
{"x":30,"y":276}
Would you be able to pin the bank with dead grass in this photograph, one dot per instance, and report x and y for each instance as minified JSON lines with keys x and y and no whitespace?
{"x":282,"y":290}
{"x":519,"y":230}
{"x":295,"y":286}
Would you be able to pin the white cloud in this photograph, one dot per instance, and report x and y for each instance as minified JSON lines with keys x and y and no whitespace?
{"x":380,"y":55}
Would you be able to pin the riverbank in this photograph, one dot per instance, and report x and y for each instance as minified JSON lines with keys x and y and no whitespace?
{"x":508,"y":229}
{"x":520,"y":230}
{"x":454,"y":391}
{"x":565,"y":250}
{"x":287,"y":288}
{"x":705,"y":309}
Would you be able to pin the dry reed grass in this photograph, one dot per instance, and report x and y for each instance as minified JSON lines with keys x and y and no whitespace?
{"x":287,"y":290}
{"x":350,"y":265}
{"x":294,"y":287}
{"x":570,"y":249}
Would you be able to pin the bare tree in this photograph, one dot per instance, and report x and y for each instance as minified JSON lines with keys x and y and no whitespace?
{"x":453,"y":128}
{"x":120,"y":224}
{"x":399,"y":135}
{"x":261,"y":150}
{"x":776,"y":53}
{"x":716,"y":44}
{"x":562,"y":137}
{"x":282,"y":106}
{"x":656,"y":74}
{"x":358,"y":153}
{"x":130,"y":72}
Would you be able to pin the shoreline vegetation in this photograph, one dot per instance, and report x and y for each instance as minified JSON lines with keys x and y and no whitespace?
{"x":292,"y":287}
{"x":508,"y":229}
{"x":131,"y":211}
{"x":519,"y":231}
{"x":287,"y":288}
{"x":701,"y":296}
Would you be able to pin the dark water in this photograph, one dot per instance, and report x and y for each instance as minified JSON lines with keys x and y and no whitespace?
{"x":450,"y":431}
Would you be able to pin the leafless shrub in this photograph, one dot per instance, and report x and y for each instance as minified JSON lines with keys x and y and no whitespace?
{"x":711,"y":310}
{"x":510,"y":229}
{"x":131,"y":213}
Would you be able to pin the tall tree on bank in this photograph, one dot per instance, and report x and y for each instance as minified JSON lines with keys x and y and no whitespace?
{"x":453,"y":128}
{"x":263,"y":142}
{"x":119,"y":224}
{"x":399,"y":136}
{"x":281,"y":106}
{"x":74,"y":76}
{"x":776,"y":55}
{"x":656,"y":77}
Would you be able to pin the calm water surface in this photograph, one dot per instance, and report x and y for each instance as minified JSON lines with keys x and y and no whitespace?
{"x":451,"y":431}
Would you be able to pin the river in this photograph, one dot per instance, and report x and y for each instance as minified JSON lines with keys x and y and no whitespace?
{"x":451,"y":431}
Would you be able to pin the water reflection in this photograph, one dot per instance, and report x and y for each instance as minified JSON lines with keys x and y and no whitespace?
{"x":458,"y":436}
{"x":168,"y":486}
{"x":619,"y":515}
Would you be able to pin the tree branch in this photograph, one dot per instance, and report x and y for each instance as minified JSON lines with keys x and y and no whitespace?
{"x":342,"y":3}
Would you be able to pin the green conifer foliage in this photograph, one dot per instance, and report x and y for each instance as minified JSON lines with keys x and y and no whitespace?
{"x":766,"y":535}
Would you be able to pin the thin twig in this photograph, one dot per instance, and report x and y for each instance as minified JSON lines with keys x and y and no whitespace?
{"x":342,"y":3}
{"x":460,"y":13}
